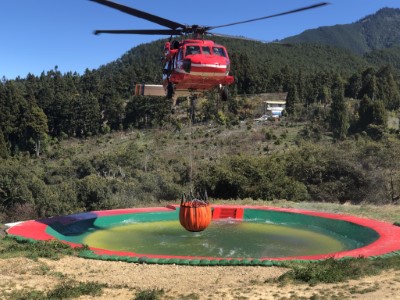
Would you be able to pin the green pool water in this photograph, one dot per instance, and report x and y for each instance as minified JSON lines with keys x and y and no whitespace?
{"x":221,"y":239}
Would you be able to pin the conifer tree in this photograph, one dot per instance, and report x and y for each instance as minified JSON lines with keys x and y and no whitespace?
{"x":339,"y":120}
{"x":365,"y":113}
{"x":369,"y":85}
{"x":86,"y":120}
{"x":33,"y":129}
{"x":354,"y":86}
{"x":291,"y":99}
{"x":3,"y":146}
{"x":379,"y":113}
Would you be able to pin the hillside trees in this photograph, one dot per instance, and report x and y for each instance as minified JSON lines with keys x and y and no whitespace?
{"x":69,"y":101}
{"x":379,"y":84}
{"x":23,"y":123}
{"x":244,"y":73}
{"x":80,"y":106}
{"x":13,"y":105}
{"x":145,"y":111}
{"x":387,"y":88}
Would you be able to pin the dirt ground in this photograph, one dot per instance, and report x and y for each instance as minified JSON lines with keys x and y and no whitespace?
{"x":125,"y":280}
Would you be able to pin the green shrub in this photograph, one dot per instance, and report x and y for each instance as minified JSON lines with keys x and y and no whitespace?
{"x":150,"y":294}
{"x":72,"y":289}
{"x":330,"y":174}
{"x":250,"y":177}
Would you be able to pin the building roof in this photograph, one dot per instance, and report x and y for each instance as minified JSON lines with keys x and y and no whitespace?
{"x":275,"y":102}
{"x":274,"y":96}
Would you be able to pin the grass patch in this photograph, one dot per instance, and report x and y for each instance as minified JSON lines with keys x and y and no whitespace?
{"x":363,"y":290}
{"x":9,"y":247}
{"x":24,"y":295}
{"x":150,"y":294}
{"x":332,"y":271}
{"x":72,"y":289}
{"x":191,"y":296}
{"x":65,"y":290}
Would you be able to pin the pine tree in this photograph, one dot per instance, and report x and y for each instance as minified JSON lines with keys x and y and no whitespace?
{"x":291,"y":99}
{"x":354,"y":86}
{"x":86,"y":120}
{"x":3,"y":146}
{"x":339,"y":120}
{"x":371,"y":113}
{"x":369,"y":85}
{"x":379,"y":114}
{"x":33,"y":129}
{"x":365,"y":113}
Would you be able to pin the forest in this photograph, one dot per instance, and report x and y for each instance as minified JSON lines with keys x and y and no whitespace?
{"x":72,"y":143}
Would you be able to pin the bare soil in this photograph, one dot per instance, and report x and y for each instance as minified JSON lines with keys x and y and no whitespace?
{"x":125,"y":280}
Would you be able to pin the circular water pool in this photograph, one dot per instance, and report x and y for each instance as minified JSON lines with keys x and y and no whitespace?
{"x":221,"y":239}
{"x":237,"y":233}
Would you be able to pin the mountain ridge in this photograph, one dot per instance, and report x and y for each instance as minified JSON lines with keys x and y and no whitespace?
{"x":377,"y":31}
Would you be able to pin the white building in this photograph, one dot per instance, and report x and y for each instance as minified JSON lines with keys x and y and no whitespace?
{"x":275,"y":108}
{"x":274,"y":104}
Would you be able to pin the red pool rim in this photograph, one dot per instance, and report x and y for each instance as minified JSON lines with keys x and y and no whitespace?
{"x":388,"y":241}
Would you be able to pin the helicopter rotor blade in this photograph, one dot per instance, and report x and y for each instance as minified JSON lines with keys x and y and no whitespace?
{"x":249,"y":39}
{"x":141,"y":14}
{"x":271,"y":16}
{"x":142,"y":31}
{"x":235,"y":37}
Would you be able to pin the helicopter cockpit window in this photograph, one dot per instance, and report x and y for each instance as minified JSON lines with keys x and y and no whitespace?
{"x":190,"y":50}
{"x":206,"y":50}
{"x":219,"y":51}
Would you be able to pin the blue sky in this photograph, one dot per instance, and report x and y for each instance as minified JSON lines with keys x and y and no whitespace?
{"x":37,"y":35}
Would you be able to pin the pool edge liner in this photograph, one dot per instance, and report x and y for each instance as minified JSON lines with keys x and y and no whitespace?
{"x":387,"y":243}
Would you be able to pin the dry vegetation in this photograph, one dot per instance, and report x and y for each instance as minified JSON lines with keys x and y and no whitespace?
{"x":117,"y":280}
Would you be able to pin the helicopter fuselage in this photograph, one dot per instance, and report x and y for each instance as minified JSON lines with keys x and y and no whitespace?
{"x":196,"y":65}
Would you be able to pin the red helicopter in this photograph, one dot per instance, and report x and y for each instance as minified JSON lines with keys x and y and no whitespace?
{"x":191,"y":65}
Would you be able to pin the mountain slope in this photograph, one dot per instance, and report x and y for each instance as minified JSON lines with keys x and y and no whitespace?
{"x":378,"y":31}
